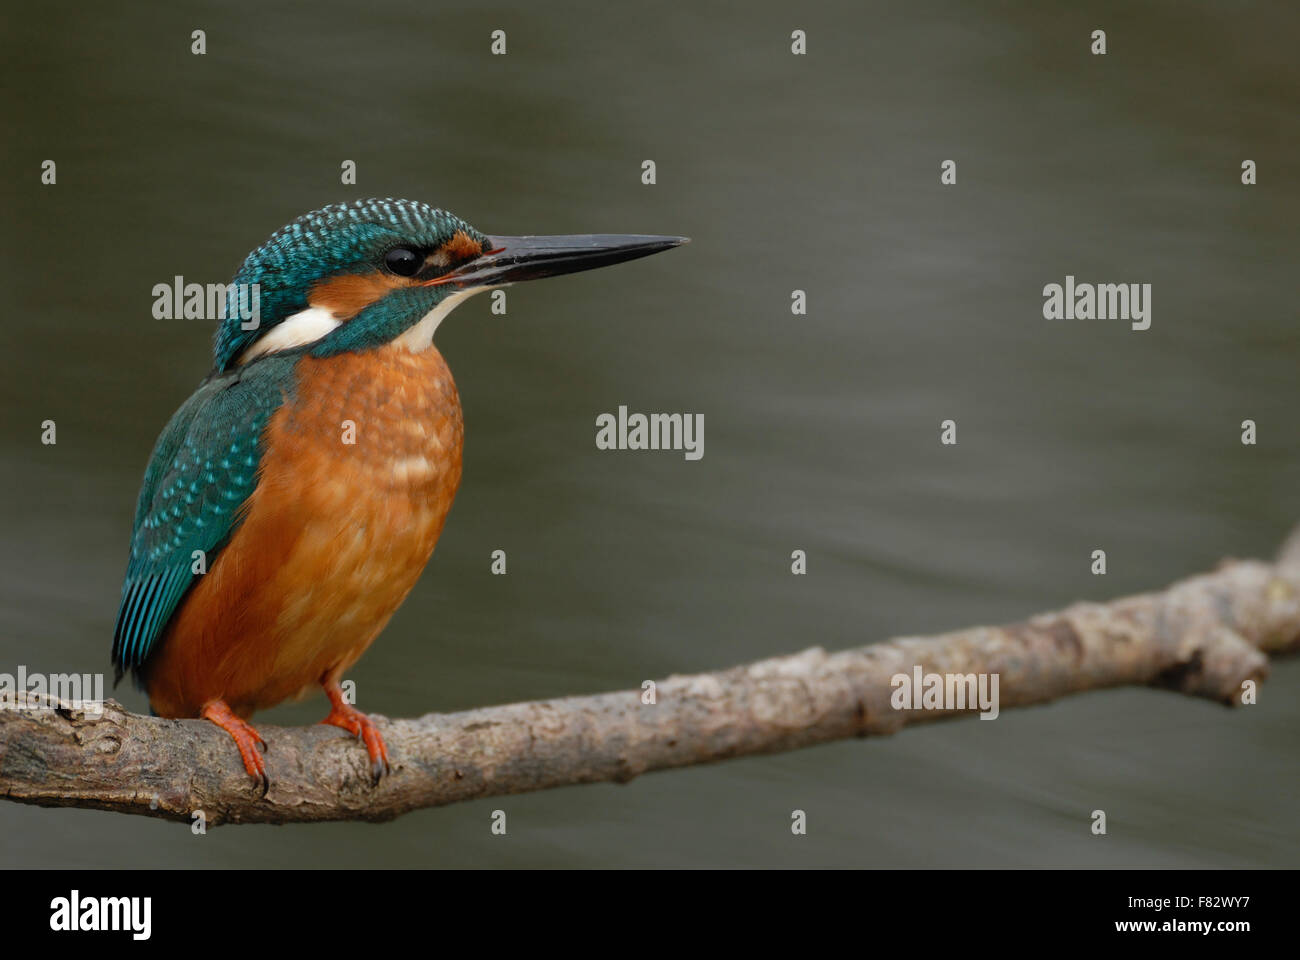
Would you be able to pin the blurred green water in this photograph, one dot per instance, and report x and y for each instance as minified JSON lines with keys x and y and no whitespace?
{"x":816,"y":172}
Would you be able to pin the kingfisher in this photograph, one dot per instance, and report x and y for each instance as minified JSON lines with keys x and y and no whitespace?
{"x":292,"y":501}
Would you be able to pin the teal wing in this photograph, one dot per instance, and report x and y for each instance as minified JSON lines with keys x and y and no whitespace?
{"x":203,"y":468}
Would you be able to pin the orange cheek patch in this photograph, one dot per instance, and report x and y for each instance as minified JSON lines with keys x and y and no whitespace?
{"x":461,"y":247}
{"x":348,"y":295}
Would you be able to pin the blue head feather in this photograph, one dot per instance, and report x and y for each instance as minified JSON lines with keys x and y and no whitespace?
{"x":340,"y":238}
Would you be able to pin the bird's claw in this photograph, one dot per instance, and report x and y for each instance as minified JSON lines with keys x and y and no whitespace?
{"x":360,"y":725}
{"x":247,"y":740}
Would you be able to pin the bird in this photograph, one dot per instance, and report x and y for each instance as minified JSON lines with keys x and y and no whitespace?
{"x":291,"y":503}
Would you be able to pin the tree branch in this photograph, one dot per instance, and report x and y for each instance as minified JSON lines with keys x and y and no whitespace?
{"x":1205,"y":636}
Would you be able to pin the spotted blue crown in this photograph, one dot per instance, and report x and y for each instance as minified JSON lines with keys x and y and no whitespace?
{"x":340,"y":238}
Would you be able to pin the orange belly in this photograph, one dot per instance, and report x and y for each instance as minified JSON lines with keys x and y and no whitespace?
{"x":333,"y":537}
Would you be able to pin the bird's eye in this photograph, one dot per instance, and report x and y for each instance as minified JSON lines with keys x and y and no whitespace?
{"x":403,"y":262}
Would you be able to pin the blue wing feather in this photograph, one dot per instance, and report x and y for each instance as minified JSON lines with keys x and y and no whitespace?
{"x":203,"y":468}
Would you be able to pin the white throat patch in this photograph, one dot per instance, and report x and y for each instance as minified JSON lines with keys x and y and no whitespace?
{"x":420,"y":337}
{"x":315,"y":323}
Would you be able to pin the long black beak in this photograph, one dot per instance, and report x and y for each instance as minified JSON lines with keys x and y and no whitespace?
{"x":510,"y":259}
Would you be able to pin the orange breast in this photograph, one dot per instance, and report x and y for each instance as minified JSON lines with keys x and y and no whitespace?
{"x":358,"y":475}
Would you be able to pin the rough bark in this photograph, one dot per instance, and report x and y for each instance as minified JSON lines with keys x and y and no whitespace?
{"x":1205,"y":636}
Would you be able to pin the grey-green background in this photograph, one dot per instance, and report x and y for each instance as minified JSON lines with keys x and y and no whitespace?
{"x":818,"y":172}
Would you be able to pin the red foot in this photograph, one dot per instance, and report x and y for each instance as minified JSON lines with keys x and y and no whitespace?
{"x":246,"y":738}
{"x":360,"y":725}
